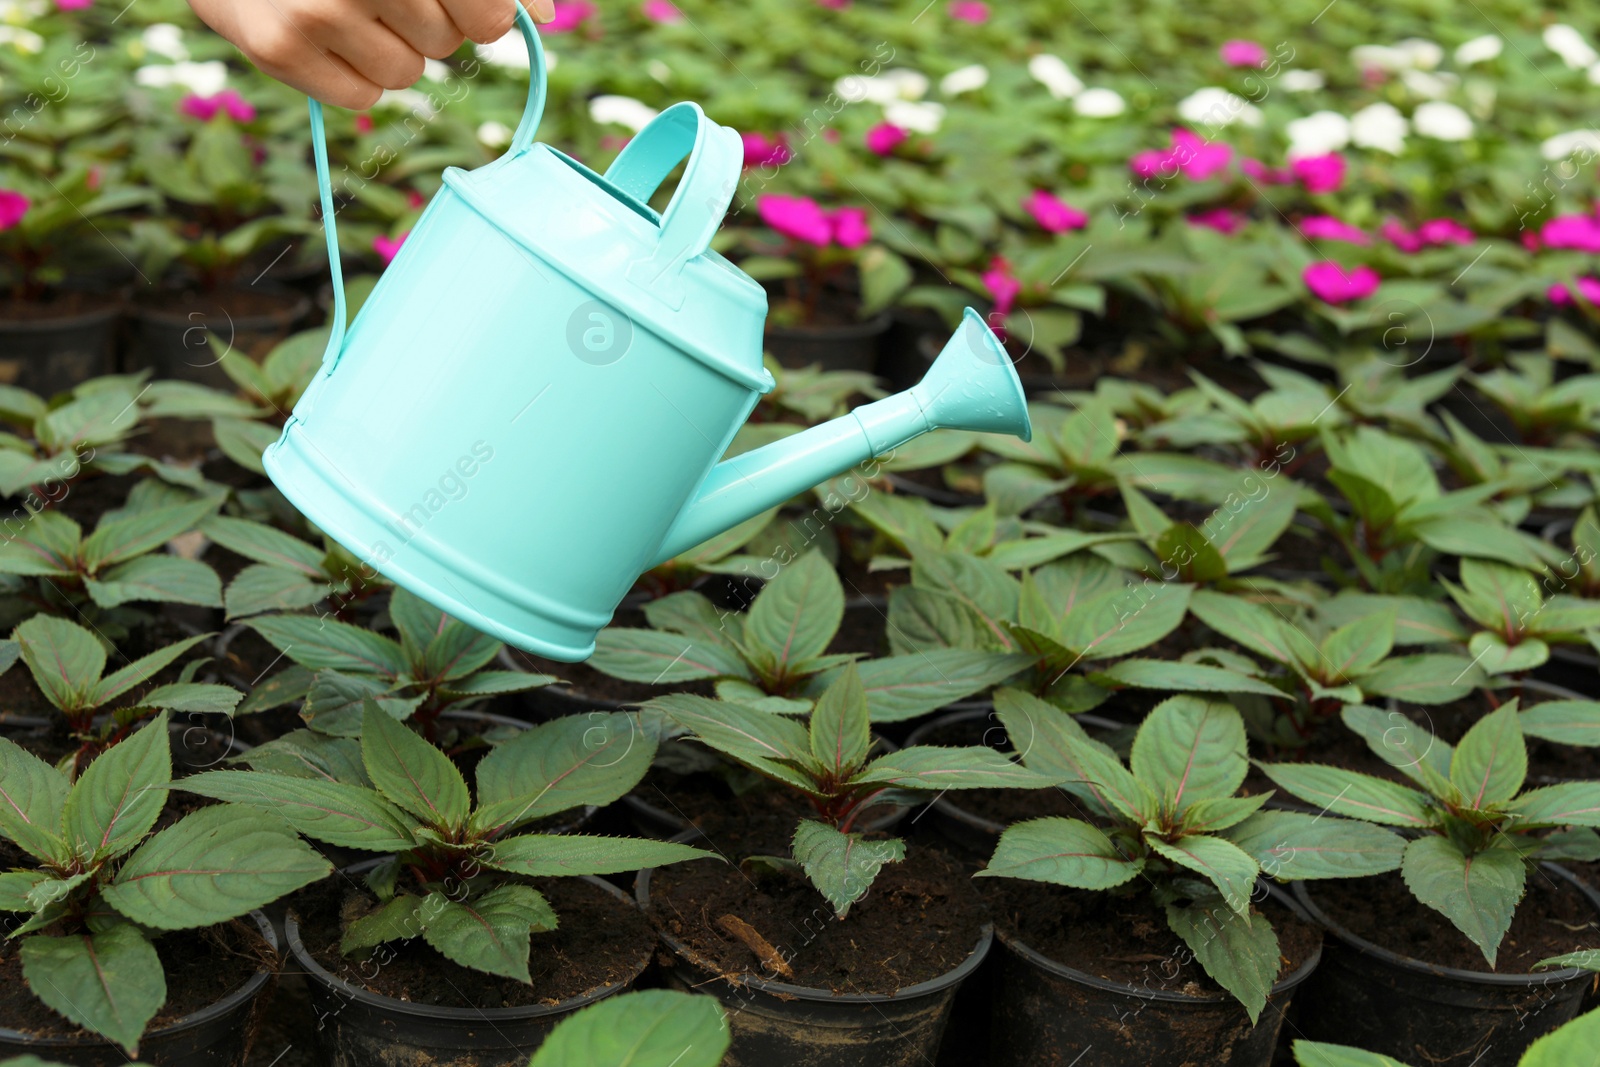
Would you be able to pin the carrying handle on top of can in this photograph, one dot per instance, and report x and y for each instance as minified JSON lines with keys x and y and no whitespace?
{"x":521,"y":141}
{"x":716,"y":159}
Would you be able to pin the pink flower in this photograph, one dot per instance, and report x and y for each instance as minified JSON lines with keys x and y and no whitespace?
{"x":1578,"y":232}
{"x":1052,"y":214}
{"x":796,"y":217}
{"x":1258,"y":170}
{"x":1197,"y":158}
{"x":1243,"y":54}
{"x":364,"y":123}
{"x":1328,"y":228}
{"x":1530,"y":241}
{"x":569,"y":16}
{"x":229,"y":101}
{"x":1319,"y":174}
{"x":972,"y":11}
{"x":1150,"y":163}
{"x":1445,"y":232}
{"x":1329,"y":281}
{"x":13,"y":205}
{"x":850,"y":229}
{"x":885,"y":137}
{"x":388,"y":247}
{"x":414,"y":199}
{"x":761,"y":150}
{"x":73,"y":5}
{"x":1222,"y":219}
{"x":1002,"y":285}
{"x":1587,"y":286}
{"x":661,"y":11}
{"x":1395,"y":233}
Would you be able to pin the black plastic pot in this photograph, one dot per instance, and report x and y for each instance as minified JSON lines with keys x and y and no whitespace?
{"x":776,"y":1024}
{"x":1419,"y":1012}
{"x":852,"y":347}
{"x":219,"y":1035}
{"x":1044,"y":1012}
{"x":51,"y":355}
{"x":175,"y":343}
{"x":357,"y":1028}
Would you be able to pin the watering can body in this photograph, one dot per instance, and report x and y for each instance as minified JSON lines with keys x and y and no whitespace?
{"x":529,"y":410}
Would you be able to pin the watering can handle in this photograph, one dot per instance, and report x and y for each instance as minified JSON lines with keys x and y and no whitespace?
{"x":716,"y":158}
{"x":521,"y":140}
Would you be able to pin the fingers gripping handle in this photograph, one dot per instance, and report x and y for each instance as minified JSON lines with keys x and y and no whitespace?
{"x":716,"y":157}
{"x":521,"y":140}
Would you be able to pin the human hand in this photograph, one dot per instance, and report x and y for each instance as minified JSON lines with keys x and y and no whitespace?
{"x":346,"y":52}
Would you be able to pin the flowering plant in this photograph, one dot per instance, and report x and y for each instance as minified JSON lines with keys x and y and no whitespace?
{"x":812,"y":251}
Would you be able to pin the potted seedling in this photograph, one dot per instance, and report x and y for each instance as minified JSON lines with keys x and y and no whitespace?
{"x":1478,"y":856}
{"x":464,"y":901}
{"x":108,"y":908}
{"x":1166,"y":858}
{"x":641,"y":1028}
{"x":803,"y":925}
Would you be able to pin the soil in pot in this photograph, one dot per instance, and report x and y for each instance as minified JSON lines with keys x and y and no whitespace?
{"x":49,"y":346}
{"x":834,"y":336}
{"x":170,"y":331}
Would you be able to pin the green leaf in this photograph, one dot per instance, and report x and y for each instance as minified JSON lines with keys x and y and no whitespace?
{"x":1512,"y":593}
{"x":1062,"y":852}
{"x":213,"y":865}
{"x":110,"y":982}
{"x":327,"y":644}
{"x":141,"y":670}
{"x":32,"y":796}
{"x":201,"y":698}
{"x":1566,"y":722}
{"x":308,"y":754}
{"x":983,"y":586}
{"x":1182,"y":677}
{"x":557,"y":766}
{"x":1359,"y":646}
{"x":657,"y":658}
{"x":287,"y":686}
{"x":64,"y":658}
{"x":797,"y":613}
{"x":1322,"y":1054}
{"x":243,"y":441}
{"x":1189,"y":748}
{"x":842,"y":866}
{"x":347,"y":815}
{"x":261,"y":587}
{"x":488,"y":933}
{"x":903,"y":687}
{"x":926,"y":620}
{"x":840,"y":730}
{"x":1493,"y":656}
{"x":1417,"y":621}
{"x":693,"y":615}
{"x":1219,"y":813}
{"x":933,"y":768}
{"x":1238,"y":949}
{"x":1294,"y":846}
{"x":117,"y":800}
{"x":1185,"y":554}
{"x":1126,"y":620}
{"x":412,"y":773}
{"x":1244,"y":535}
{"x":648,"y":1028}
{"x":1252,"y":626}
{"x":335,"y":702}
{"x":1224,"y":864}
{"x":457,"y":652}
{"x":400,"y":918}
{"x":1563,"y":804}
{"x":549,"y":855}
{"x":1359,"y":796}
{"x":47,"y":544}
{"x":116,"y":540}
{"x":741,"y":732}
{"x":1491,"y":761}
{"x":1403,"y":745}
{"x":263,"y":544}
{"x":1425,"y":679}
{"x":1478,"y":893}
{"x":1048,"y":740}
{"x":1588,"y":959}
{"x":1568,"y":1046}
{"x":166,"y":579}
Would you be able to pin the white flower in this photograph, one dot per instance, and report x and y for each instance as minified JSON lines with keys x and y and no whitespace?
{"x":1303,"y":81}
{"x":494,"y":134}
{"x":622,"y":110}
{"x":1214,"y":106}
{"x":910,"y":115}
{"x":885,"y":88}
{"x":21,"y":12}
{"x":1413,"y":53}
{"x":965,"y":80}
{"x":1379,"y":126}
{"x":202,"y":79}
{"x":1318,"y":134}
{"x":1429,"y":86}
{"x":1421,"y":54}
{"x":1594,"y":74}
{"x":165,"y":40}
{"x":413,"y":100}
{"x":510,"y":52}
{"x":1569,"y":44}
{"x":1442,"y":121}
{"x":658,"y":70}
{"x":1053,"y":73}
{"x":1099,"y":103}
{"x":23,"y":40}
{"x":1563,"y":145}
{"x":436,"y":71}
{"x":1479,"y":50}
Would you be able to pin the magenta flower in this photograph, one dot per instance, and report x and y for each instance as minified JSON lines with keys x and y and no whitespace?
{"x":1223,"y":220}
{"x":13,"y":205}
{"x":1151,"y":162}
{"x":1587,"y":286}
{"x":796,"y":217}
{"x":1198,"y":158}
{"x":661,"y":11}
{"x":1578,"y":232}
{"x":388,"y":247}
{"x":1254,"y":168}
{"x":1445,"y":232}
{"x":1398,"y":235}
{"x":228,"y":101}
{"x":1003,"y":287}
{"x":1319,"y":174}
{"x":569,"y":16}
{"x":364,"y":123}
{"x":972,"y":11}
{"x":1530,"y":241}
{"x":850,"y":229}
{"x":885,"y":137}
{"x":1328,"y":228}
{"x":1330,"y":282}
{"x":1053,"y":214}
{"x":761,"y":150}
{"x":1243,"y":54}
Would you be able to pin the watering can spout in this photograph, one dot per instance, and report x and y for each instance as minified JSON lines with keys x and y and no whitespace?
{"x":971,"y":386}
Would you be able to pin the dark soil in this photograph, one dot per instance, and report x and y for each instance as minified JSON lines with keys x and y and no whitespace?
{"x":698,"y":797}
{"x":237,"y":303}
{"x":601,"y":940}
{"x":62,"y":305}
{"x":1124,"y":938}
{"x":1553,"y":918}
{"x":863,"y":630}
{"x":202,"y":967}
{"x":920,"y":919}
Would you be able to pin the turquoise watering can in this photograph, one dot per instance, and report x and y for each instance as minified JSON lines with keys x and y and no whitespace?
{"x":529,"y":410}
